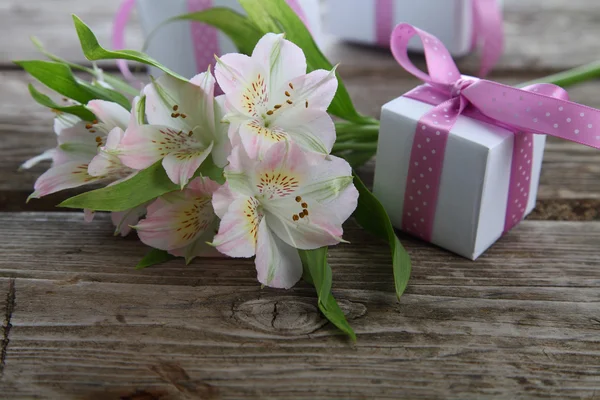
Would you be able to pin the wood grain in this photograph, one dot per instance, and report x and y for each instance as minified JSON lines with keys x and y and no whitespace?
{"x":521,"y":322}
{"x":540,"y":37}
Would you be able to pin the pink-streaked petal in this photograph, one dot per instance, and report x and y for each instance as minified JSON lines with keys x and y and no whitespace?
{"x":144,"y":145}
{"x":176,"y":225}
{"x":328,"y":186}
{"x":310,"y":128}
{"x":65,"y":176}
{"x":76,"y":143}
{"x":180,"y":166}
{"x":124,"y":220}
{"x":286,"y":156}
{"x":222,"y":199}
{"x":206,"y":82}
{"x":234,"y":71}
{"x":203,"y":186}
{"x":240,"y":171}
{"x":257,"y":139}
{"x":111,"y":114}
{"x":88,"y":215}
{"x":108,"y":165}
{"x":278,"y":265}
{"x":114,"y":138}
{"x":222,"y":147}
{"x":313,"y":90}
{"x":45,"y":156}
{"x":199,"y":247}
{"x":64,"y":121}
{"x":315,"y":230}
{"x":179,"y":105}
{"x":282,"y":58}
{"x":239,"y":229}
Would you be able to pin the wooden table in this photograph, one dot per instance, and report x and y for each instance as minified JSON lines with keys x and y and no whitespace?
{"x":523,"y":321}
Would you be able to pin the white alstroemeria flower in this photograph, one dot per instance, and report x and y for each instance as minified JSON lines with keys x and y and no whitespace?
{"x":288,"y":200}
{"x":79,"y":143}
{"x":269,"y":98}
{"x":184,"y":128}
{"x":182,"y":222}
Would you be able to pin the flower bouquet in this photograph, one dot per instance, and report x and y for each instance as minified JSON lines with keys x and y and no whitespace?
{"x":260,"y":171}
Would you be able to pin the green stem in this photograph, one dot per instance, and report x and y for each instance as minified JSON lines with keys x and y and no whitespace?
{"x":570,"y":77}
{"x":350,"y":128}
{"x":355,"y":146}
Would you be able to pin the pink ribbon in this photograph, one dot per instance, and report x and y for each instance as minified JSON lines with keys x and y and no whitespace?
{"x":204,"y":37}
{"x":488,"y":31}
{"x":537,"y":109}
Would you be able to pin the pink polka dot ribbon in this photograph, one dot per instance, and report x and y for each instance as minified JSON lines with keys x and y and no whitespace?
{"x":488,"y":29}
{"x":536,"y":109}
{"x":204,"y":37}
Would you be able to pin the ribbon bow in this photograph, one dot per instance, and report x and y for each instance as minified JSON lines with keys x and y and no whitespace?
{"x":536,"y":109}
{"x":488,"y":32}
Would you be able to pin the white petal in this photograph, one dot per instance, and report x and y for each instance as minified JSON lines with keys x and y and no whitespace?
{"x":238,"y":229}
{"x":282,"y":58}
{"x":181,"y":165}
{"x":47,"y":155}
{"x":179,"y":105}
{"x":111,"y":114}
{"x":311,"y":128}
{"x":278,"y":265}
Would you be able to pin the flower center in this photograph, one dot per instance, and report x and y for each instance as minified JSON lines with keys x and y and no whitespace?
{"x":256,"y":97}
{"x":277,"y":184}
{"x":173,"y":141}
{"x":274,"y":134}
{"x":196,"y":218}
{"x":254,"y":214}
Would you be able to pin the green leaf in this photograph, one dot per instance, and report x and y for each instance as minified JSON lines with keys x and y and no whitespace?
{"x":276,"y":16}
{"x":103,"y":93}
{"x":318,"y":273}
{"x":154,"y":256}
{"x":356,"y":158}
{"x":210,"y":170}
{"x":316,"y":262}
{"x":239,"y":29}
{"x":146,"y":185}
{"x":371,"y":215}
{"x":60,"y":78}
{"x":46,"y":101}
{"x":116,"y":83}
{"x":93,"y":51}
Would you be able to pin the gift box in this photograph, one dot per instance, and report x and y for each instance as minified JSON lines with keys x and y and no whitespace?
{"x":476,"y":169}
{"x":459,"y":24}
{"x":189,"y":47}
{"x":459,"y":158}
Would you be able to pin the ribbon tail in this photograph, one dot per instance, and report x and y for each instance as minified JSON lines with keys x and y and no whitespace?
{"x":118,"y":34}
{"x":488,"y":31}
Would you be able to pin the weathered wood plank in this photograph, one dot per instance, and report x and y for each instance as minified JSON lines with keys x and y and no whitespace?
{"x":556,"y":36}
{"x":537,"y":253}
{"x":7,"y":304}
{"x":522,"y":322}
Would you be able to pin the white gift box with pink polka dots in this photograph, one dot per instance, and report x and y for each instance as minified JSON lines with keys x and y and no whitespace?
{"x":451,"y":21}
{"x":173,"y":46}
{"x":473,"y":194}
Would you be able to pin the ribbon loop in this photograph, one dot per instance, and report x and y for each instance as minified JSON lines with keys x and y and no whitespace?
{"x":443,"y":72}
